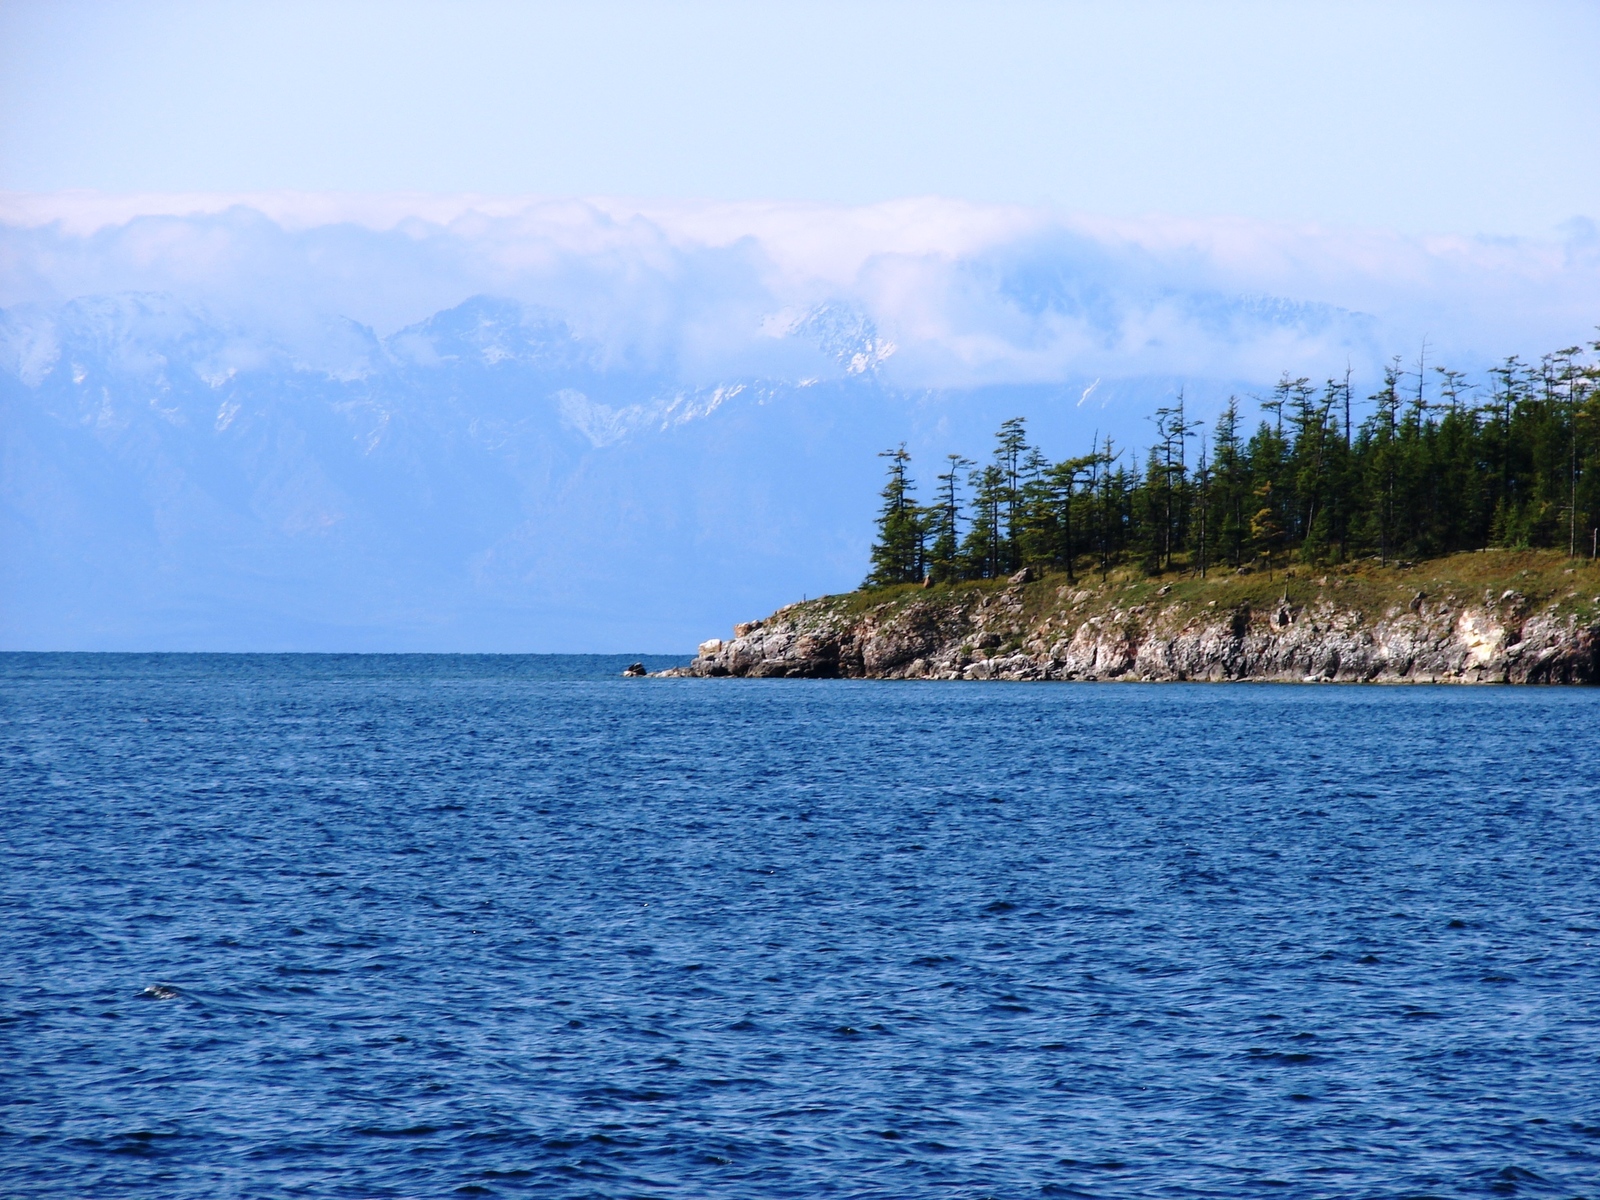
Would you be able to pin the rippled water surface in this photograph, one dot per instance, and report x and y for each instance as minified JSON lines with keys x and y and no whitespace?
{"x":415,"y":927}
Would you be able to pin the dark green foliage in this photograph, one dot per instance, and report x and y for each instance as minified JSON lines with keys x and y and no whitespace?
{"x":945,"y":562}
{"x":983,"y":553}
{"x":1425,"y":472}
{"x":897,"y":557}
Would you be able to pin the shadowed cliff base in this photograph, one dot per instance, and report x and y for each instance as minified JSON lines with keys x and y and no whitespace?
{"x":1492,"y":616}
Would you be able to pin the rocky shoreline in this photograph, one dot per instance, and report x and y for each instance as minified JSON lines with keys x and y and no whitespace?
{"x":1352,"y":626}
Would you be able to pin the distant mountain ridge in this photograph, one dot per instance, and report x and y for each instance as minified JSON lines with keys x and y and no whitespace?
{"x":488,"y":478}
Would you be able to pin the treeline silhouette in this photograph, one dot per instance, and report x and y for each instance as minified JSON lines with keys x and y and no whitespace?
{"x":1428,"y":465}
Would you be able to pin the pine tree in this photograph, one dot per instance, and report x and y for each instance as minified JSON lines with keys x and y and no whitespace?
{"x":944,"y":553}
{"x":983,"y":549}
{"x":1230,"y":471}
{"x":1038,"y":537}
{"x":1010,"y":452}
{"x":1420,"y":475}
{"x":897,"y":555}
{"x":1061,"y":481}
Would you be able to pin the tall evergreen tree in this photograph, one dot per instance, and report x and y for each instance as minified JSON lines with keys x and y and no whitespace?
{"x":944,"y":551}
{"x":983,"y":551}
{"x":1420,"y":475}
{"x":1010,"y":453}
{"x":897,"y":555}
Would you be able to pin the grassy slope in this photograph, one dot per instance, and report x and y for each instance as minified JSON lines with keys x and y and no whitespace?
{"x":1545,"y":578}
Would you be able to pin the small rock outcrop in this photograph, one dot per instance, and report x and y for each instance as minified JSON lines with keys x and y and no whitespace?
{"x":1025,"y":628}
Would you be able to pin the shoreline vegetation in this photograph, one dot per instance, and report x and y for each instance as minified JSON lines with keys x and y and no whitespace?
{"x":1511,"y":462}
{"x":1449,"y":535}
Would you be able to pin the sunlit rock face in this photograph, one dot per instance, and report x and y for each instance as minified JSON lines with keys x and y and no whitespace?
{"x":1054,"y":631}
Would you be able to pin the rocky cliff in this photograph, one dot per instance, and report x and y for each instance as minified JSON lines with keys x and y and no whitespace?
{"x":1495,"y":617}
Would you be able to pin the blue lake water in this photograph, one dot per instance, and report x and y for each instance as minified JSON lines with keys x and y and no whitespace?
{"x":440,"y":926}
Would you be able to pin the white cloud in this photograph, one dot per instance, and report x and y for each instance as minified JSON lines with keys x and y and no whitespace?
{"x":943,"y":293}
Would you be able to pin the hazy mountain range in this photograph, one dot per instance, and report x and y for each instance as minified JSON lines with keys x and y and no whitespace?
{"x":484,"y":479}
{"x":621,"y":446}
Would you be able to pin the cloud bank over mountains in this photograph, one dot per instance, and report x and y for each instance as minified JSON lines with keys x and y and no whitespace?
{"x":967,"y":294}
{"x":369,"y":422}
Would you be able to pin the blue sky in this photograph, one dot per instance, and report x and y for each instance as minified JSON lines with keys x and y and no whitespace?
{"x":695,"y":171}
{"x":1418,"y":118}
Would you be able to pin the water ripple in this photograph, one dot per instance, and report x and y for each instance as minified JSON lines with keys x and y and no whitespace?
{"x":401,"y":927}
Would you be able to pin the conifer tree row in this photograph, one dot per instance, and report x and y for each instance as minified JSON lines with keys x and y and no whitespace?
{"x":1429,"y":465}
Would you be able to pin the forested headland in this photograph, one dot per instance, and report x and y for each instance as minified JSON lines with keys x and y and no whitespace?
{"x":1431,"y":464}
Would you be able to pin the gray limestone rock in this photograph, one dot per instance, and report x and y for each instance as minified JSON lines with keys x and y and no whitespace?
{"x":967,"y":635}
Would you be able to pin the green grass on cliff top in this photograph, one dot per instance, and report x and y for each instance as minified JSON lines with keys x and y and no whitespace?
{"x":1547,"y":580}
